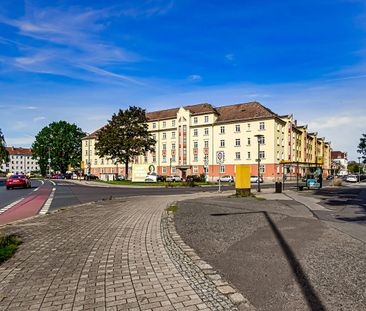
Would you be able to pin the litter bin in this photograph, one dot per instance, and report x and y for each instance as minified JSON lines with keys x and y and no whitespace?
{"x":278,"y":186}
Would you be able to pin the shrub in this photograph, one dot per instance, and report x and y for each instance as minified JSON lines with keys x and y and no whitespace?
{"x":8,"y":246}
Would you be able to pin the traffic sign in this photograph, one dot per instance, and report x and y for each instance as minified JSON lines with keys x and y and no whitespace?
{"x":220,"y":157}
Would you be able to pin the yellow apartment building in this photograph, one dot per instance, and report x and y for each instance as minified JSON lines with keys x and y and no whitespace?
{"x":188,"y":139}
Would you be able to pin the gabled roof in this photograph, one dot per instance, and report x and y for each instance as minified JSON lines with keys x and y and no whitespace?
{"x":246,"y":111}
{"x":162,"y":114}
{"x":19,"y":151}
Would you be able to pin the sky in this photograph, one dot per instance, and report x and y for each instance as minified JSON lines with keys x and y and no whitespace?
{"x":82,"y":60}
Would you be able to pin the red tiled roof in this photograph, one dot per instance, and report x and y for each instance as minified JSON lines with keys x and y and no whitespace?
{"x":162,"y":114}
{"x":246,"y":111}
{"x":339,"y":155}
{"x":19,"y":151}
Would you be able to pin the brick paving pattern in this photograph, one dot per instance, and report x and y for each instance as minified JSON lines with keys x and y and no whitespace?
{"x":103,"y":256}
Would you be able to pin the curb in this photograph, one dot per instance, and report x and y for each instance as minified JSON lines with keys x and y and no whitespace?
{"x":208,"y":274}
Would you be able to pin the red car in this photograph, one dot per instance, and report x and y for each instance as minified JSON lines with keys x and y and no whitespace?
{"x":18,"y":181}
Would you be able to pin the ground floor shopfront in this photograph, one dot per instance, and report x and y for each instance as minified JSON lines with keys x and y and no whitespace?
{"x":269,"y":171}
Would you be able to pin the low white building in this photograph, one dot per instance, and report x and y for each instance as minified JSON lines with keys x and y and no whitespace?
{"x":20,"y":161}
{"x":340,"y":160}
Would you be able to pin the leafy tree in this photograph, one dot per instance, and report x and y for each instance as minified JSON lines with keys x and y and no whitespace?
{"x":61,"y":142}
{"x":4,"y":154}
{"x":353,"y":167}
{"x":362,"y":147}
{"x":125,"y":136}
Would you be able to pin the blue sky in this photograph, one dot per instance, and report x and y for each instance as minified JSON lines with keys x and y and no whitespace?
{"x":83,"y":60}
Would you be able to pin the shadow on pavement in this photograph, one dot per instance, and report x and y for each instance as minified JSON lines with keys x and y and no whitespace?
{"x":303,"y":281}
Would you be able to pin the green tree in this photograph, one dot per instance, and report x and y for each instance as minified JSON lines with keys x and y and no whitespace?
{"x":125,"y":136}
{"x":353,"y":167}
{"x":4,"y":154}
{"x":61,"y":142}
{"x":362,"y":148}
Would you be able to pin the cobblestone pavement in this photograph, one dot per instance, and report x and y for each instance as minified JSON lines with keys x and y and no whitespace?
{"x":103,"y":256}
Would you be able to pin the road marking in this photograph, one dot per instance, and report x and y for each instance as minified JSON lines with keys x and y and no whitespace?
{"x":53,"y":183}
{"x":4,"y":209}
{"x":42,"y":182}
{"x":47,"y":205}
{"x":36,"y":189}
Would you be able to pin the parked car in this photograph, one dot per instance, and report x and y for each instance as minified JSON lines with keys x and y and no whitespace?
{"x":254,"y":179}
{"x":194,"y":178}
{"x":352,"y":178}
{"x":330,"y":177}
{"x":58,"y":176}
{"x":90,"y":177}
{"x":226,"y":178}
{"x":120,"y":177}
{"x":17,"y":181}
{"x":160,"y":178}
{"x":151,"y":177}
{"x":173,"y":178}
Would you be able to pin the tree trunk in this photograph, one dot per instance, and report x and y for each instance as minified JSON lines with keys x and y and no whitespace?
{"x":126,"y":169}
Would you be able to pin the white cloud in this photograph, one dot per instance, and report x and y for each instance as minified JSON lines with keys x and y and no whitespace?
{"x":195,"y":77}
{"x":230,"y":57}
{"x":37,"y":119}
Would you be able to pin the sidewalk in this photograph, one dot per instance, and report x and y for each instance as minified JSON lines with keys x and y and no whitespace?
{"x":109,"y":255}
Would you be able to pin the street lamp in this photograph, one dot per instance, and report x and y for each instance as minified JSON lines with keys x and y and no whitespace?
{"x":259,"y":138}
{"x":359,"y":169}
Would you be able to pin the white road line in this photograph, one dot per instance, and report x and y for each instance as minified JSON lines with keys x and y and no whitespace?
{"x":4,"y":209}
{"x":42,"y":182}
{"x":36,"y":189}
{"x":47,"y":205}
{"x":53,"y":183}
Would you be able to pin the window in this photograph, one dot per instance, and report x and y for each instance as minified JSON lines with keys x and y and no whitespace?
{"x":237,"y":142}
{"x":164,"y":123}
{"x":195,"y":169}
{"x":222,"y":143}
{"x":195,"y":132}
{"x":95,"y":161}
{"x":262,"y":154}
{"x":154,"y":125}
{"x":261,"y":140}
{"x":163,"y":170}
{"x":261,"y":125}
{"x":154,"y":136}
{"x":248,"y":127}
{"x":173,"y":122}
{"x":248,"y":141}
{"x":195,"y":120}
{"x":164,"y":135}
{"x":164,"y":159}
{"x":237,"y":155}
{"x":248,"y":155}
{"x":206,"y":143}
{"x":195,"y":144}
{"x":173,"y":170}
{"x":173,"y":135}
{"x":145,"y":159}
{"x":237,"y":128}
{"x":262,"y":169}
{"x":206,"y":131}
{"x":164,"y":146}
{"x":222,"y":129}
{"x":102,"y":161}
{"x":173,"y":158}
{"x":222,"y":168}
{"x":206,"y":119}
{"x":195,"y":157}
{"x":278,"y":141}
{"x":173,"y":146}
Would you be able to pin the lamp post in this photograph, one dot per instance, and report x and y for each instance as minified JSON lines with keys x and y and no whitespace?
{"x":259,"y":138}
{"x":359,"y":169}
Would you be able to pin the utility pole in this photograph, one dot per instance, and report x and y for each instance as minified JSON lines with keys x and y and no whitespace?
{"x":259,"y":137}
{"x":359,"y":169}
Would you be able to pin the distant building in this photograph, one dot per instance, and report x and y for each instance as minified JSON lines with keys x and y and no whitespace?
{"x":20,"y":161}
{"x":339,"y":159}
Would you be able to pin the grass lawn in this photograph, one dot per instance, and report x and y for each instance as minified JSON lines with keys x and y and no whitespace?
{"x":8,"y":246}
{"x":152,"y":184}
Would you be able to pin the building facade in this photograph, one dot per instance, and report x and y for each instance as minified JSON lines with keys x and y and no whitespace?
{"x":20,"y":161}
{"x":188,"y":139}
{"x":340,"y":162}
